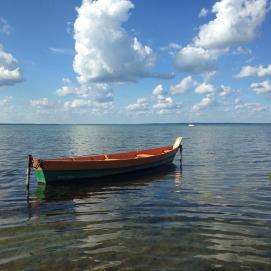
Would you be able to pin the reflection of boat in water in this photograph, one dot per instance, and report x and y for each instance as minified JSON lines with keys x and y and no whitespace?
{"x":86,"y":189}
{"x":73,"y":169}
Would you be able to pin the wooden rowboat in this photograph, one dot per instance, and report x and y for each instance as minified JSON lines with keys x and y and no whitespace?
{"x":90,"y":167}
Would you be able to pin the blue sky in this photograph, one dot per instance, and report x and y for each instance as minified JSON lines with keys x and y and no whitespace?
{"x":121,"y":61}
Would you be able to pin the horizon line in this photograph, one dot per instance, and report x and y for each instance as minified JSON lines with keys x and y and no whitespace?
{"x":143,"y":123}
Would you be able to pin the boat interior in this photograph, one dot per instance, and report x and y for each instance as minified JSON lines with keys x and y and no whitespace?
{"x":119,"y":156}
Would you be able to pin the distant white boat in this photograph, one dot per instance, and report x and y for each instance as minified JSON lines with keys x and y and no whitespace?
{"x":191,"y":125}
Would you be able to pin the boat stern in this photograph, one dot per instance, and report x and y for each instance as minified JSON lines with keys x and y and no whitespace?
{"x":37,"y":167}
{"x":40,"y":176}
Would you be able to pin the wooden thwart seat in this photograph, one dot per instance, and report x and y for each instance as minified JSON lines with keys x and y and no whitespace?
{"x":106,"y":158}
{"x":142,"y":155}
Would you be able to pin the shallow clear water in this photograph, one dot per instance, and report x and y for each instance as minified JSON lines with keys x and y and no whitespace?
{"x":215,"y":214}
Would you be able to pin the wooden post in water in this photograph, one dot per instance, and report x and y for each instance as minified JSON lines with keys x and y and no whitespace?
{"x":28,"y":171}
{"x":181,"y":156}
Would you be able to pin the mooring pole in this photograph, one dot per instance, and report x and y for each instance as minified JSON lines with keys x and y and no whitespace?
{"x":28,"y":171}
{"x":181,"y":156}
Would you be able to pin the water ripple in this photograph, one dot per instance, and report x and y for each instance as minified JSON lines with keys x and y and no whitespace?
{"x":214,"y":214}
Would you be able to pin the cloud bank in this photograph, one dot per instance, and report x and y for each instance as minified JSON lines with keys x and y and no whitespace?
{"x":236,"y":22}
{"x":259,"y":71}
{"x":262,"y":87}
{"x":159,"y":103}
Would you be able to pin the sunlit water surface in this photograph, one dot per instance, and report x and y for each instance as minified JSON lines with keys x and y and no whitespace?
{"x":215,"y":214}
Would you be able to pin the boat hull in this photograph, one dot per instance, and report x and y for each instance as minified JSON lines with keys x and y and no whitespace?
{"x":66,"y":175}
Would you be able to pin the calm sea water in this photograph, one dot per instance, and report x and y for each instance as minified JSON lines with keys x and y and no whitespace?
{"x":215,"y":214}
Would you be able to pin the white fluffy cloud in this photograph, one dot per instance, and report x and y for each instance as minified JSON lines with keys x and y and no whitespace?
{"x":250,"y":107}
{"x":158,"y":90}
{"x":5,"y":28}
{"x":165,"y":105}
{"x":225,"y":91}
{"x":185,"y":84}
{"x":259,"y":71}
{"x":242,"y":107}
{"x":66,"y":90}
{"x":105,"y":51}
{"x":195,"y":59}
{"x":99,"y":92}
{"x":61,"y":51}
{"x":240,"y":50}
{"x":141,"y":106}
{"x":262,"y":87}
{"x":42,"y":103}
{"x":205,"y":88}
{"x":6,"y":101}
{"x":204,"y":103}
{"x":236,"y":22}
{"x":171,"y":48}
{"x":10,"y":72}
{"x":203,"y":12}
{"x":157,"y":103}
{"x":78,"y":104}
